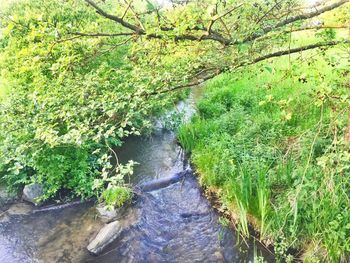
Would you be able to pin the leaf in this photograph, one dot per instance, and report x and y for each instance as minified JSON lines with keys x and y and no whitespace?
{"x":269,"y":69}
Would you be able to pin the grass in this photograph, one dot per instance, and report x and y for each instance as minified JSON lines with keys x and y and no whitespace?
{"x":271,"y":145}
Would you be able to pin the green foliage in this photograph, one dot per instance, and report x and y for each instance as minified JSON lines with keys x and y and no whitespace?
{"x":273,"y":144}
{"x":69,"y":101}
{"x":274,"y":147}
{"x":116,"y":196}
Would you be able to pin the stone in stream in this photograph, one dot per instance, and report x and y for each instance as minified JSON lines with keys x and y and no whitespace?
{"x":20,"y":209}
{"x":16,"y":209}
{"x":105,"y":214}
{"x":106,"y":235}
{"x":32,"y":192}
{"x":111,"y":231}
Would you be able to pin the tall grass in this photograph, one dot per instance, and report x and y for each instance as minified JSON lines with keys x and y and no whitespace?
{"x":262,"y":139}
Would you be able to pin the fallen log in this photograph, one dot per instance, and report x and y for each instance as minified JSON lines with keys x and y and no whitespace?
{"x":163,"y":182}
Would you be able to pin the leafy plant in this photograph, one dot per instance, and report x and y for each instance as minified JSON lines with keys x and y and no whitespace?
{"x":116,"y":196}
{"x":70,"y":101}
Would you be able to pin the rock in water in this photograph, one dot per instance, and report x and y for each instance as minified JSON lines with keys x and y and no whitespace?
{"x":20,"y":209}
{"x":111,"y":231}
{"x":32,"y":192}
{"x":106,"y":235}
{"x":105,"y":214}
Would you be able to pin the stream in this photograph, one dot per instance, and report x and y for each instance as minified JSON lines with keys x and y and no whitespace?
{"x":172,"y":224}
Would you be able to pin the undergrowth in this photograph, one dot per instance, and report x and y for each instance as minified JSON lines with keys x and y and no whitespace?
{"x":270,"y":140}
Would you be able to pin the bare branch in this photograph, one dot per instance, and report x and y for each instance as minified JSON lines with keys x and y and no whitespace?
{"x":100,"y":53}
{"x":126,"y":10}
{"x":188,"y":85}
{"x":61,"y":41}
{"x":216,"y":18}
{"x":254,"y":61}
{"x":296,"y":18}
{"x":67,"y":39}
{"x":135,"y":14}
{"x":302,"y":29}
{"x":268,"y":12}
{"x":115,"y":18}
{"x":102,"y":34}
{"x":295,"y":50}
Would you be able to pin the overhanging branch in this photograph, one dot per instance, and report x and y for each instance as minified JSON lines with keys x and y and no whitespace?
{"x":296,"y":50}
{"x":117,"y":19}
{"x":296,"y":18}
{"x":102,"y":34}
{"x":210,"y":34}
{"x":253,"y":61}
{"x":292,"y":30}
{"x":139,"y":31}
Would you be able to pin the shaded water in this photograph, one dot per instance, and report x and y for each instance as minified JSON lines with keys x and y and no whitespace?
{"x":50,"y":236}
{"x":173,"y":224}
{"x":158,"y":156}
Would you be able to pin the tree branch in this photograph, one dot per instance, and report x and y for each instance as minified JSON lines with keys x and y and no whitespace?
{"x":294,"y":50}
{"x":115,"y":18}
{"x":126,"y":10}
{"x":102,"y":34}
{"x":188,"y":85}
{"x":292,"y":30}
{"x":215,"y":36}
{"x":140,"y":31}
{"x":221,"y":16}
{"x":254,"y":61}
{"x":269,"y":11}
{"x":135,"y":14}
{"x":296,"y":18}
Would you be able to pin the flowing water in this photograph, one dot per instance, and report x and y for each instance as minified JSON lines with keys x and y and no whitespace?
{"x":173,"y":224}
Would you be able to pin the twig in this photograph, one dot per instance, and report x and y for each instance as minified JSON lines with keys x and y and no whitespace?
{"x":135,"y":15}
{"x":221,"y":16}
{"x":126,"y":10}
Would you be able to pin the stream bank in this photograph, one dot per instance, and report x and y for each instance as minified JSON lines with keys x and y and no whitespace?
{"x":172,"y":224}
